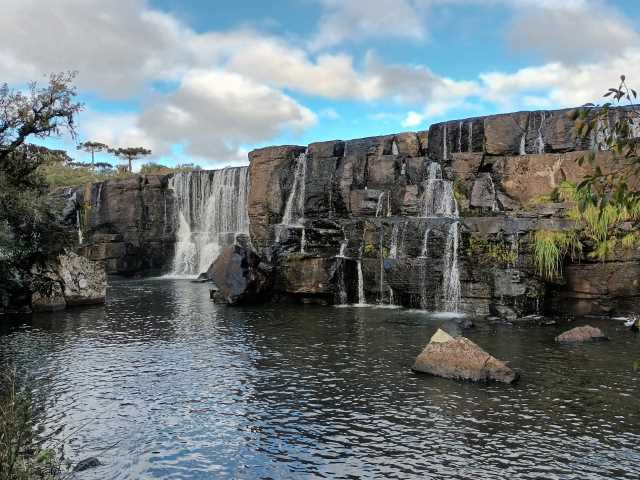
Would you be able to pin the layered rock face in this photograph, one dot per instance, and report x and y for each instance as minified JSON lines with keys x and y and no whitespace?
{"x":127,"y":224}
{"x":440,"y":220}
{"x":360,"y":221}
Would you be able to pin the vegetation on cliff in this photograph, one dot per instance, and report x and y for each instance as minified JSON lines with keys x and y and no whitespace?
{"x":29,"y":220}
{"x":606,"y":203}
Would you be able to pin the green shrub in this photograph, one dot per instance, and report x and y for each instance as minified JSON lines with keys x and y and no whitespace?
{"x":550,"y":248}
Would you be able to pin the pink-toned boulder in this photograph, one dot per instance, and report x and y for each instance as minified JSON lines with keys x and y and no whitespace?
{"x":581,"y":334}
{"x":460,"y":358}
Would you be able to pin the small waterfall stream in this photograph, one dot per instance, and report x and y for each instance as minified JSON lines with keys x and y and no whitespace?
{"x":211,"y":212}
{"x":294,"y":208}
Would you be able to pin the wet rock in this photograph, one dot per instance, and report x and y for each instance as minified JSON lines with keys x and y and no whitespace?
{"x":483,"y":192}
{"x":581,"y":334}
{"x":241,"y":276}
{"x":460,"y":358}
{"x":86,"y":464}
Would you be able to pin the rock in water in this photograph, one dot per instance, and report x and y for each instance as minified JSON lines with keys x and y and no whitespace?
{"x":86,"y":464}
{"x":460,"y":358}
{"x":581,"y":334}
{"x":240,"y":275}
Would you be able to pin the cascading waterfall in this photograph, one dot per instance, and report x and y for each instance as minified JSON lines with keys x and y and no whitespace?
{"x":445,"y":154}
{"x":394,"y":148}
{"x":395,"y":234}
{"x":540,"y":139}
{"x":439,"y":201}
{"x":451,"y":273}
{"x":470,"y":146}
{"x":380,"y":204}
{"x":211,"y":212}
{"x":361,"y":297}
{"x":294,"y":208}
{"x":523,"y":143}
{"x":425,"y":243}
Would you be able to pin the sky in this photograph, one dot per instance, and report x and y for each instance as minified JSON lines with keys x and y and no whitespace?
{"x":205,"y":82}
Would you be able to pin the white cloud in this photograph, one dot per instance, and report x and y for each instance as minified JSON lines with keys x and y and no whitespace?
{"x":571,"y":32}
{"x":362,"y":19}
{"x":413,"y":119}
{"x":212,"y":114}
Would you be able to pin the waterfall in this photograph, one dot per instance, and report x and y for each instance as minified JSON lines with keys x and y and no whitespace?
{"x":294,"y":208}
{"x":379,"y":205}
{"x":540,"y":139}
{"x":361,"y":298}
{"x":394,"y":148}
{"x":79,"y":226}
{"x":343,"y":248}
{"x":444,"y":143}
{"x":460,"y":136}
{"x":523,"y":143}
{"x":425,"y":243}
{"x":381,"y":279}
{"x":99,"y":197}
{"x":211,"y":212}
{"x":450,"y":273}
{"x":393,"y":250}
{"x":470,"y":146}
{"x":438,"y":200}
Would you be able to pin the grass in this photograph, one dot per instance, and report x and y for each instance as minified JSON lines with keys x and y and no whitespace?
{"x":550,"y":248}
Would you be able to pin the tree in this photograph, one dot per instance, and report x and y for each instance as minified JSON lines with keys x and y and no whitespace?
{"x":93,"y":148}
{"x":130,"y":154}
{"x":39,"y":112}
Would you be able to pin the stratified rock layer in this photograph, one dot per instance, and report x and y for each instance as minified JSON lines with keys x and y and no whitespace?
{"x":363,"y":216}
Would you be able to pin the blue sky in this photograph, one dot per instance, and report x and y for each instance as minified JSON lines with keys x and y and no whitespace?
{"x":205,"y":82}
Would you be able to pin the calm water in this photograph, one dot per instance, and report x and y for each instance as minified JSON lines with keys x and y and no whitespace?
{"x":194,"y":390}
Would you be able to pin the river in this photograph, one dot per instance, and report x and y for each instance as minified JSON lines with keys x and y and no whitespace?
{"x":181,"y":388}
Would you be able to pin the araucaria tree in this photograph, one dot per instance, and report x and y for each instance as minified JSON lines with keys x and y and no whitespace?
{"x":130,"y":154}
{"x":93,"y":148}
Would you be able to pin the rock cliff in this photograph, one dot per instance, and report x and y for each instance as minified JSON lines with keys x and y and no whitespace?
{"x":372,"y":220}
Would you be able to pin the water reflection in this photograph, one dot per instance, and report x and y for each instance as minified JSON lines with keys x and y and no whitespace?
{"x":195,"y":390}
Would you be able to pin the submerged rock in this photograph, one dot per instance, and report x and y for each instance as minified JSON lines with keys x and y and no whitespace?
{"x":581,"y":334}
{"x":240,"y":275}
{"x":460,"y":358}
{"x":86,"y":464}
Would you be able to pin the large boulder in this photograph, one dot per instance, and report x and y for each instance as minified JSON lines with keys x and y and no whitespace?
{"x":240,"y":276}
{"x":460,"y":358}
{"x":67,"y":280}
{"x":585,"y":333}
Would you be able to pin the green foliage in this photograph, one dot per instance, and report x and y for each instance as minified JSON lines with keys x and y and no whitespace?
{"x":369,"y":250}
{"x":609,"y":196}
{"x":492,"y":253}
{"x":460,"y":190}
{"x":605,"y":226}
{"x":550,"y":248}
{"x":21,"y":457}
{"x":157,"y":169}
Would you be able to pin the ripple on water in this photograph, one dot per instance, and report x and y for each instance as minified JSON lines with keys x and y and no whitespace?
{"x":194,"y":390}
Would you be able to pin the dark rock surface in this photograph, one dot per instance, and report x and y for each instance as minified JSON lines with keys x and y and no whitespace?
{"x":365,"y":197}
{"x":241,"y":276}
